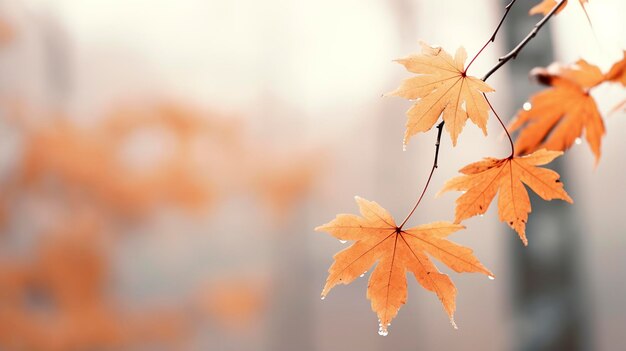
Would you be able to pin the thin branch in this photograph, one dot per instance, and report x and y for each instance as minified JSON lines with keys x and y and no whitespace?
{"x":513,"y":53}
{"x":493,"y":36}
{"x":432,"y":170}
{"x":503,"y":126}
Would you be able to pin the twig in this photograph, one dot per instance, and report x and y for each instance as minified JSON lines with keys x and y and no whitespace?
{"x":432,"y":170}
{"x":503,"y":126}
{"x":513,"y":53}
{"x":493,"y":36}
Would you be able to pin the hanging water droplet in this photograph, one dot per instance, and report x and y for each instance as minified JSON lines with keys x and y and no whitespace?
{"x":403,"y":147}
{"x":382,"y":332}
{"x":343,"y":241}
{"x":323,"y":297}
{"x":527,"y":106}
{"x":578,"y":141}
{"x":491,"y":277}
{"x":453,"y":324}
{"x":482,"y":215}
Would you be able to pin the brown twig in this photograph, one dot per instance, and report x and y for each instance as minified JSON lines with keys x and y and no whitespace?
{"x":503,"y":126}
{"x":432,"y":170}
{"x":493,"y":36}
{"x":516,"y":50}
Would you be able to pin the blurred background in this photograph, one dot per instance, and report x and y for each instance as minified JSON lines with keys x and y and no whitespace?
{"x":163,"y":165}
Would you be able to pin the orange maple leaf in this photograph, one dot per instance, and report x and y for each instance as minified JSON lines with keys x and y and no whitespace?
{"x":559,"y":115}
{"x":379,"y":239}
{"x":617,"y":73}
{"x":547,"y":5}
{"x":442,"y":86}
{"x":482,"y":180}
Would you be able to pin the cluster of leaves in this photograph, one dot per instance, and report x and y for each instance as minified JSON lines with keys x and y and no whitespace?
{"x":78,"y":188}
{"x":57,"y":300}
{"x":72,"y":188}
{"x":442,"y":88}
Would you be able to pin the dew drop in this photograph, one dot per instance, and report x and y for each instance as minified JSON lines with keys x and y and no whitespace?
{"x":491,"y":277}
{"x":403,"y":147}
{"x":482,"y":215}
{"x":323,"y":297}
{"x":578,"y":141}
{"x":453,"y":324}
{"x":382,"y":332}
{"x":527,"y":106}
{"x":343,"y":241}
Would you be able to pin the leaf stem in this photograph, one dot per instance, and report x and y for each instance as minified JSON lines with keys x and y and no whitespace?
{"x":432,"y":170}
{"x":493,"y":36}
{"x":503,"y":126}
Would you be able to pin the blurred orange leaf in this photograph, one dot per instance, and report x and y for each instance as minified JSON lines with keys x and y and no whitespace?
{"x":58,"y":300}
{"x":7,"y":33}
{"x":234,"y":303}
{"x":547,"y":5}
{"x":560,"y":114}
{"x":617,"y":73}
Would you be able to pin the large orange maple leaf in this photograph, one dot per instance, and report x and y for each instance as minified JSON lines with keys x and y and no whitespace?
{"x":378,"y":239}
{"x":482,"y":180}
{"x":559,"y":115}
{"x":442,"y":86}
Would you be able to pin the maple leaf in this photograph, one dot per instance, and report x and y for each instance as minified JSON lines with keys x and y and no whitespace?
{"x":378,"y":239}
{"x":547,"y":5}
{"x":482,"y":180}
{"x":442,"y":86}
{"x":559,"y":115}
{"x":617,"y":73}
